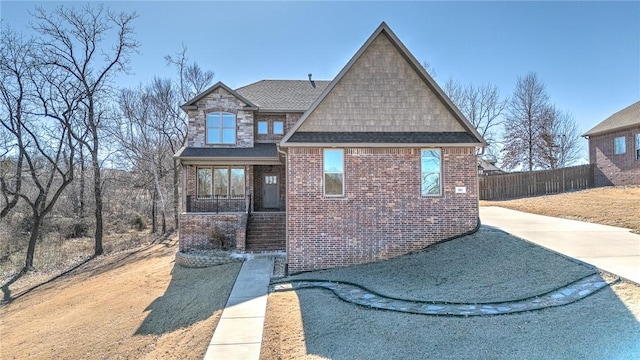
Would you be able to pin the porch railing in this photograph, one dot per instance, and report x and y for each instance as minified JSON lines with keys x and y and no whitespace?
{"x":218,"y":204}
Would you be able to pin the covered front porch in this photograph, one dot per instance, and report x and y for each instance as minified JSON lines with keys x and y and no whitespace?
{"x":225,"y":192}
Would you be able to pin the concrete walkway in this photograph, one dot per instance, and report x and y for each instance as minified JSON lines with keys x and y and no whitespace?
{"x":609,"y":248}
{"x":239,"y":333}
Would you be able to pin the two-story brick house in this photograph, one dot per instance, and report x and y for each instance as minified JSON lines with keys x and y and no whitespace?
{"x":376,"y":163}
{"x":614,"y":148}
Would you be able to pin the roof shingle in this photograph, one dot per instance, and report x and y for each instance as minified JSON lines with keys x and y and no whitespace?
{"x":283,"y":95}
{"x":624,"y":118}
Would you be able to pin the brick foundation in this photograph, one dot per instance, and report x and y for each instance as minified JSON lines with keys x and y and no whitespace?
{"x":196,"y":230}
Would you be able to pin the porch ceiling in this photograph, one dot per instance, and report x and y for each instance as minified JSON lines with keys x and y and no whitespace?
{"x":259,"y":154}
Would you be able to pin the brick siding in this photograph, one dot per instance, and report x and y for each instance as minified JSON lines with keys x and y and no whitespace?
{"x":382,"y":214}
{"x":196,"y":230}
{"x":611,"y":169}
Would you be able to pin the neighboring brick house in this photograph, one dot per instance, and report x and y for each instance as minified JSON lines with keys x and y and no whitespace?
{"x":374,"y":164}
{"x":614,"y":148}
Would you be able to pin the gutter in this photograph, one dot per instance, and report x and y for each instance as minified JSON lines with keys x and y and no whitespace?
{"x":286,"y":208}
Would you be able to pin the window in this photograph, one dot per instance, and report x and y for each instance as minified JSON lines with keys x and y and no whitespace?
{"x":263,"y":127}
{"x":224,"y":182}
{"x":221,"y":128}
{"x":278,"y":127}
{"x":637,"y":146}
{"x":270,"y":179}
{"x":333,"y":172}
{"x":619,"y":145}
{"x":430,"y":173}
{"x":203,"y":183}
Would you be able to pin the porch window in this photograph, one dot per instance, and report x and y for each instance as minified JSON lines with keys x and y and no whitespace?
{"x":228,"y":182}
{"x":333,"y":172}
{"x":203,"y":183}
{"x":221,"y":128}
{"x":430,"y":173}
{"x":619,"y":145}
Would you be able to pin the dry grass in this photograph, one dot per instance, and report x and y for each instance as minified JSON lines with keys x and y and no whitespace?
{"x":131,"y":305}
{"x":616,"y":206}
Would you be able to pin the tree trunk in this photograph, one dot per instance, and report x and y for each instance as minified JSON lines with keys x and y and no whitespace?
{"x":97,"y":191}
{"x":83,"y":212}
{"x":31,"y":249}
{"x":154,"y":221}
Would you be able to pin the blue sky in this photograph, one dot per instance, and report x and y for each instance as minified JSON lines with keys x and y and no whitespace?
{"x":587,"y":53}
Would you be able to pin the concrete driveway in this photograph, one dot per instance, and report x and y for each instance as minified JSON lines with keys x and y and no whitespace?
{"x":609,"y":248}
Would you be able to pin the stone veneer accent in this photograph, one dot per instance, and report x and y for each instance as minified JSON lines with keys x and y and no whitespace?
{"x":202,"y":259}
{"x":610,"y":169}
{"x":196,"y":228}
{"x":220,"y":100}
{"x":382,"y":214}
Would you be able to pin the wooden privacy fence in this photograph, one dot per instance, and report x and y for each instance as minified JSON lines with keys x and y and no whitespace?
{"x":535,"y":183}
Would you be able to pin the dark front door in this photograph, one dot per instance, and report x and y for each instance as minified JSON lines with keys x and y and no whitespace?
{"x":270,"y":191}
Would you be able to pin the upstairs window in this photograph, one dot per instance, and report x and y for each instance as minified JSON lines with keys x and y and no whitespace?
{"x":619,"y":145}
{"x":333,"y":172}
{"x":263,"y":127}
{"x":278,"y":127}
{"x":221,"y":128}
{"x":430,"y":172}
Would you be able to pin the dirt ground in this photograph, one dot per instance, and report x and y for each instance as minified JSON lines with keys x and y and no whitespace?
{"x":131,"y":305}
{"x":617,"y":206}
{"x":315,"y":324}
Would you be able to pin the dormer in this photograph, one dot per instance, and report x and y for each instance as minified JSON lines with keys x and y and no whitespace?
{"x":220,"y":117}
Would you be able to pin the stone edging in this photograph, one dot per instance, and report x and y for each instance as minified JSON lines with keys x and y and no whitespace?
{"x":205,"y":259}
{"x":361,"y":296}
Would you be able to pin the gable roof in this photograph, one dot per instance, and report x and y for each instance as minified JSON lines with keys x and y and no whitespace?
{"x":283,"y":95}
{"x":189,"y":105}
{"x":625,"y":118}
{"x":382,"y":32}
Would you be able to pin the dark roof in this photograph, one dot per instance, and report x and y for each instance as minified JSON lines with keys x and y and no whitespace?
{"x":627,"y":117}
{"x":283,"y":95}
{"x":384,"y":137}
{"x":257,"y":151}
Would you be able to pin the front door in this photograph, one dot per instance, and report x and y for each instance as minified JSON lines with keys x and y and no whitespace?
{"x":270,"y":192}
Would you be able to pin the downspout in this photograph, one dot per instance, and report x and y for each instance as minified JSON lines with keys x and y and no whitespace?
{"x":286,"y":208}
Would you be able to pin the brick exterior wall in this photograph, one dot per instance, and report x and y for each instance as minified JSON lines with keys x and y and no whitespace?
{"x":219,"y":100}
{"x":260,"y":171}
{"x":611,"y":169}
{"x":196,"y":229}
{"x":382,"y":214}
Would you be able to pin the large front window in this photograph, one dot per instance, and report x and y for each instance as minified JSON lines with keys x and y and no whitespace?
{"x":221,"y":128}
{"x":333,"y":172}
{"x":430,"y":173}
{"x":225,"y":182}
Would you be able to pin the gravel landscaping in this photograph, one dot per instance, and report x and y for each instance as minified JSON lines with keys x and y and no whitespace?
{"x":486,"y":266}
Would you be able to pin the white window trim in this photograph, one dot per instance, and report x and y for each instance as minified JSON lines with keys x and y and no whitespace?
{"x":324,"y":190}
{"x":441,"y":182}
{"x":220,"y":128}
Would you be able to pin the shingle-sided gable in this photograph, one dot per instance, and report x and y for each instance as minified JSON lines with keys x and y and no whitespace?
{"x":383,"y":89}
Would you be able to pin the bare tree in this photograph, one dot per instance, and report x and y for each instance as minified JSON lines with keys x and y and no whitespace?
{"x":523,"y":126}
{"x":74,"y":40}
{"x":559,"y":144}
{"x":481,"y":105}
{"x":39,"y":123}
{"x":192,"y":80}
